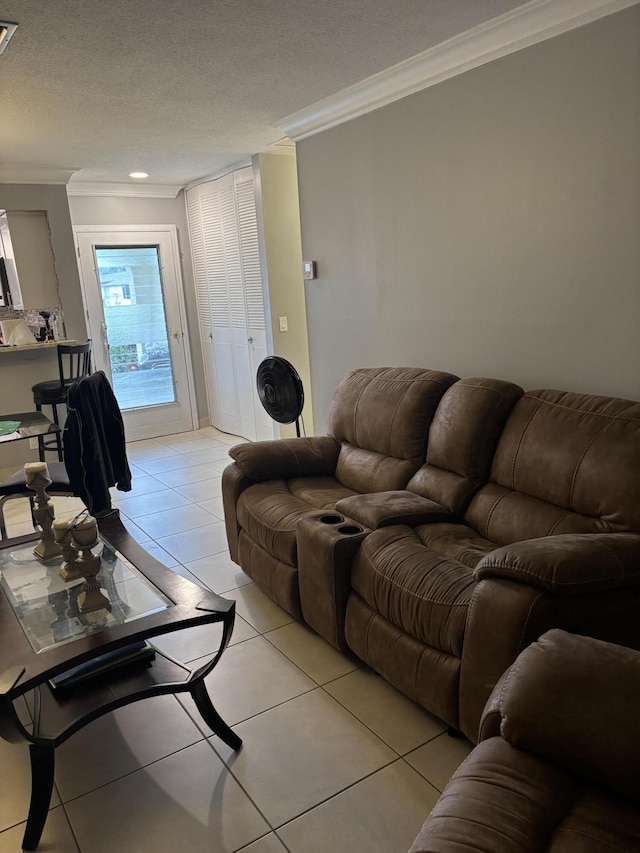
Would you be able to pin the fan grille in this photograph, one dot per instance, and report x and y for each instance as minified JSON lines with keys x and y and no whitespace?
{"x":280,"y":389}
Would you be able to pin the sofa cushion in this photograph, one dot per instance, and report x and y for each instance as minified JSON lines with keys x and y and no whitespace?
{"x":426,"y":675}
{"x":506,"y":516}
{"x":381,"y":417}
{"x":413,"y":587}
{"x":565,"y":463}
{"x":462,"y":440}
{"x":270,"y":511}
{"x":455,"y":542}
{"x":366,"y":471}
{"x":383,"y":509}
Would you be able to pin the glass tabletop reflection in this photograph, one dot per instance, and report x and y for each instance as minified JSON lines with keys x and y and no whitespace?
{"x":20,"y":425}
{"x":47,"y":608}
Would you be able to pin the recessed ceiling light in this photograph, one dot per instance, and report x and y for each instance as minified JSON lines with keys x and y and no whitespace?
{"x":138,"y":175}
{"x":6,"y":31}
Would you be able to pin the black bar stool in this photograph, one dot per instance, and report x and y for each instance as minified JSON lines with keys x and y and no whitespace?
{"x":74,"y":363}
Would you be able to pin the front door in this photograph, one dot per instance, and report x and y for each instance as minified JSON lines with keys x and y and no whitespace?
{"x":132,"y":292}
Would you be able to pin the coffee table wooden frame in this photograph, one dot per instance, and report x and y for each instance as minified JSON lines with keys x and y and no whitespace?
{"x":22,"y":671}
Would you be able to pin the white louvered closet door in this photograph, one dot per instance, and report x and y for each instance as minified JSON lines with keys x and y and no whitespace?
{"x":226,"y":262}
{"x":255,"y":314}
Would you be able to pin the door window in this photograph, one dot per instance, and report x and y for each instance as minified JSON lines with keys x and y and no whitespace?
{"x":134,"y":313}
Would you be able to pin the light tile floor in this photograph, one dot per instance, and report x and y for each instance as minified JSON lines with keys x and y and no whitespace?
{"x":334,"y":759}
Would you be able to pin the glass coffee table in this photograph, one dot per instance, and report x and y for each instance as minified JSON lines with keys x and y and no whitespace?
{"x":43,"y":635}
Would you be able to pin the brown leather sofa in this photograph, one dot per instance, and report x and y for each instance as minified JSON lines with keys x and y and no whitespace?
{"x":437,"y":564}
{"x":377,"y":424}
{"x":558,"y":763}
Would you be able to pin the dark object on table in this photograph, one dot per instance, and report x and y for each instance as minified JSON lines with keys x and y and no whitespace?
{"x":136,"y":653}
{"x":48,"y":331}
{"x":74,"y":362}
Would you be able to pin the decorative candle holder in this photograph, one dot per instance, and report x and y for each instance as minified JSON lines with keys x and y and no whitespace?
{"x":84,"y":537}
{"x":37,"y":478}
{"x":68,"y":571}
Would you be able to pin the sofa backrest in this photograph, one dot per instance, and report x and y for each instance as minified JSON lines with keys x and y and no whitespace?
{"x":565,"y":463}
{"x":381,"y":417}
{"x":462,"y":440}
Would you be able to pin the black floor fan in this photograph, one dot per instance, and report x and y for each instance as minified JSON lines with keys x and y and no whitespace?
{"x":280,"y":390}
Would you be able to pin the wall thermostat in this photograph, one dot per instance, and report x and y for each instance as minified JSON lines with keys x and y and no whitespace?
{"x":309,"y":269}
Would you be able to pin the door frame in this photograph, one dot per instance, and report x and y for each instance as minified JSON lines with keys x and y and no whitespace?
{"x":172,"y":232}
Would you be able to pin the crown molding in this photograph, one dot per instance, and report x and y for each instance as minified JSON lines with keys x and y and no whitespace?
{"x":13,"y":174}
{"x":142,"y":190}
{"x":224,"y":170}
{"x":283,"y":146}
{"x":528,"y":25}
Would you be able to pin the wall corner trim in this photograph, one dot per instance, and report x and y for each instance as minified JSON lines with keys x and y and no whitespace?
{"x":98,"y":188}
{"x":515,"y":30}
{"x":19,"y":174}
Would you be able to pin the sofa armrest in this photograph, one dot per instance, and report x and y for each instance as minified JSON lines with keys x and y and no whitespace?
{"x":233,"y":485}
{"x":575,"y":700}
{"x":569,"y":565}
{"x":285,"y":458}
{"x":491,"y":717}
{"x":382,"y":509}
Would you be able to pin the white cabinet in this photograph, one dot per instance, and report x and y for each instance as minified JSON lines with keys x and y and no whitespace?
{"x":25,"y":244}
{"x":231,"y":306}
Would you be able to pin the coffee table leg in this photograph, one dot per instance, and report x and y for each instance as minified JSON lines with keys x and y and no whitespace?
{"x":42,"y":765}
{"x":211,"y":717}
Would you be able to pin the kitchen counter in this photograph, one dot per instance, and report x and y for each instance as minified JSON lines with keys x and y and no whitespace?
{"x":34,"y":346}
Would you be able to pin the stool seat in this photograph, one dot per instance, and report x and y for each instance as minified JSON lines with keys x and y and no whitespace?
{"x":74,"y":363}
{"x":50,"y":391}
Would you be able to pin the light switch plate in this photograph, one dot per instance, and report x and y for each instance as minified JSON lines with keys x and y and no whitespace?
{"x":309,"y":269}
{"x":284,"y":324}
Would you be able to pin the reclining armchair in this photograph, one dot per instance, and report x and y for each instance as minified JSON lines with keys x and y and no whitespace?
{"x":378,"y":423}
{"x":558,"y":763}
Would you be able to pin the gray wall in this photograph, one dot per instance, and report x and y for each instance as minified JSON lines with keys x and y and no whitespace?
{"x":89,"y":210}
{"x":489,"y":225}
{"x":53,"y":199}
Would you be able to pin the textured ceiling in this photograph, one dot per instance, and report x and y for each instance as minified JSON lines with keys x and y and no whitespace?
{"x":184,"y":89}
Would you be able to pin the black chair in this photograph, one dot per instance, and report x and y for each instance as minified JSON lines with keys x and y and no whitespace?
{"x":95,"y":449}
{"x":74,"y":363}
{"x":15,"y":486}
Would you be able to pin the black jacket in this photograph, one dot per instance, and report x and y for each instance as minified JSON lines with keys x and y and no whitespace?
{"x":94,"y":443}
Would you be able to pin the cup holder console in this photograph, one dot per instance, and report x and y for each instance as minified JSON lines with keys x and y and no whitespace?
{"x":344,"y":529}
